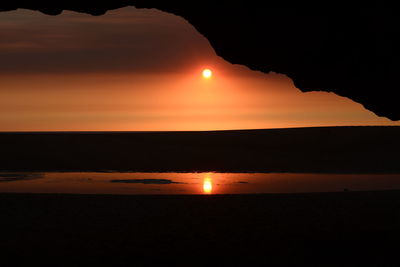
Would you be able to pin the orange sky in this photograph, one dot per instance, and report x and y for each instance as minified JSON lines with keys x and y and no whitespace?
{"x":137,"y":70}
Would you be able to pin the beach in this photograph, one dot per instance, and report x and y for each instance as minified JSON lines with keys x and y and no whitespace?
{"x":315,"y":229}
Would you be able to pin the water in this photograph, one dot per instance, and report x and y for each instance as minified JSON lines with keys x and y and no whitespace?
{"x":191,"y":183}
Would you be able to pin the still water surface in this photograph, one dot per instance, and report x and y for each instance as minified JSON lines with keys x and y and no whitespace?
{"x":191,"y":183}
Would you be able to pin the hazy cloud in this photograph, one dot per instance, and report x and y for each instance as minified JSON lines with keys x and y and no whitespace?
{"x":122,"y":40}
{"x":12,"y":177}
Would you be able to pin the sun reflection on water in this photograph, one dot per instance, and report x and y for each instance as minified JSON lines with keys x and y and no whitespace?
{"x":207,"y":184}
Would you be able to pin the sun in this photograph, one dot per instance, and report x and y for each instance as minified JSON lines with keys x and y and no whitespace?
{"x":207,"y":73}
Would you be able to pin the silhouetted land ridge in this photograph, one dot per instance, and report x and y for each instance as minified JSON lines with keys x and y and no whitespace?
{"x":320,"y":150}
{"x":319,"y":229}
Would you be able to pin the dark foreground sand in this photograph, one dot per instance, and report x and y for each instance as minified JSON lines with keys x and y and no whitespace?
{"x":318,"y":229}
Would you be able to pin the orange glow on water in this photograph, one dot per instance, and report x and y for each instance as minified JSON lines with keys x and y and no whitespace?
{"x":207,"y":185}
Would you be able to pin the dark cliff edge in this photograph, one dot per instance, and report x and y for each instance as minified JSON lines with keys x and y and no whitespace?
{"x":350,"y":50}
{"x":370,"y":149}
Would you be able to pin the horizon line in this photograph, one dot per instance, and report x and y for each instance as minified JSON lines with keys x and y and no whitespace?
{"x":191,"y":131}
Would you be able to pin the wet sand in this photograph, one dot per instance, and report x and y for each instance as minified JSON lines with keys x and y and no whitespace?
{"x":314,"y":229}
